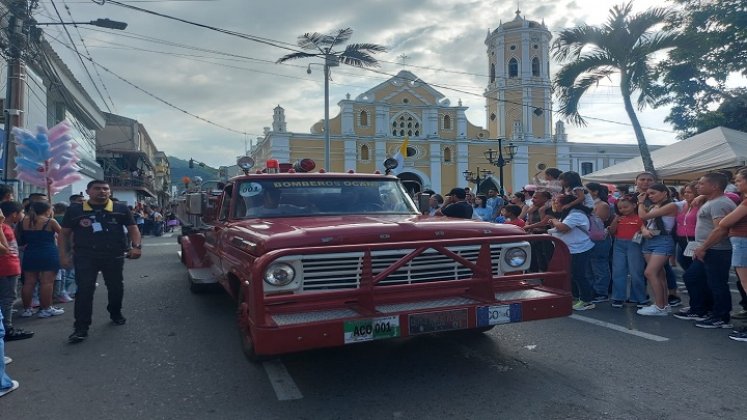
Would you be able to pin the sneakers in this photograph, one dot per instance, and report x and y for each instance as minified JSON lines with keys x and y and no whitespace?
{"x":674,"y":301}
{"x":14,"y":334}
{"x":688,"y":315}
{"x":12,"y":388}
{"x":713,"y":322}
{"x":653,"y":310}
{"x":583,"y":306}
{"x":63,"y":298}
{"x":617,"y":303}
{"x":600,"y":299}
{"x":118,"y":319}
{"x":51,"y":311}
{"x":738,"y":336}
{"x":640,"y":305}
{"x":77,"y":336}
{"x":7,"y":360}
{"x":741,"y":314}
{"x":27,"y":313}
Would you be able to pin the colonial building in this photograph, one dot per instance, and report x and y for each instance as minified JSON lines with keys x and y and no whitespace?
{"x":443,"y":146}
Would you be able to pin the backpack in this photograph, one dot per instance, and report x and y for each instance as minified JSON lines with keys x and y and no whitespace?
{"x":597,"y":230}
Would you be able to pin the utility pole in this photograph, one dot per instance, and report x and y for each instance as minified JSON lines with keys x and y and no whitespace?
{"x":15,"y":100}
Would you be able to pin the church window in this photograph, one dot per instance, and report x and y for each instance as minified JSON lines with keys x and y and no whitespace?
{"x":364,"y":153}
{"x":405,"y":101}
{"x":513,"y":67}
{"x":535,"y":46}
{"x":364,"y":119}
{"x":447,"y":122}
{"x":411,"y":151}
{"x":405,"y":124}
{"x":492,"y":117}
{"x":535,"y":67}
{"x":513,"y":47}
{"x":447,"y":154}
{"x":492,"y":72}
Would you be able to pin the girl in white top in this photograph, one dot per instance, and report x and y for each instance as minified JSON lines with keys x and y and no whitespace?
{"x":573,"y":229}
{"x":571,"y":182}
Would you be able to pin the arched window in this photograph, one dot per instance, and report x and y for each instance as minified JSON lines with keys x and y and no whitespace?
{"x":364,"y":119}
{"x":492,"y":72}
{"x":535,"y":67}
{"x":405,"y":124}
{"x":364,"y":153}
{"x":447,"y":154}
{"x":447,"y":122}
{"x":513,"y":68}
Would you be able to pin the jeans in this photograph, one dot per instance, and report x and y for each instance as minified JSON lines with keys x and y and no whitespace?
{"x":682,"y":260}
{"x":86,"y":271}
{"x":5,"y":381}
{"x":599,"y":267}
{"x":671,"y":277}
{"x":708,"y":284}
{"x":8,"y":287}
{"x":581,"y":287}
{"x":627,"y":259}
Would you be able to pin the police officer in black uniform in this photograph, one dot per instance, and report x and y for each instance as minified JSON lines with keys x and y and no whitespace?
{"x":98,"y":244}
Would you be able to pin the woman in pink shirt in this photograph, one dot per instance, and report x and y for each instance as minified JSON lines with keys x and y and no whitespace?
{"x":686,"y":218}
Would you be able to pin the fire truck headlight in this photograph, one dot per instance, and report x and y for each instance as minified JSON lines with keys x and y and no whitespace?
{"x":515,"y":257}
{"x":279,"y":274}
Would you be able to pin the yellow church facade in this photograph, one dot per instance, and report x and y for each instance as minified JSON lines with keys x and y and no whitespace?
{"x":442,"y":144}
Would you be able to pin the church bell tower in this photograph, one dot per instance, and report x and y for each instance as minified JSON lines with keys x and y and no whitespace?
{"x":519,"y":94}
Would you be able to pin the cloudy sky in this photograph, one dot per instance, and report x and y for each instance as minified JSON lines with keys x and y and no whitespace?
{"x":234,"y":83}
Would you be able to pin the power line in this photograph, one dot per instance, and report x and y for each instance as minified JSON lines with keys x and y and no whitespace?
{"x":95,"y":69}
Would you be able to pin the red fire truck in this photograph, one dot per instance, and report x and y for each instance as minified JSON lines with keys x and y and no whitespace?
{"x":328,"y":259}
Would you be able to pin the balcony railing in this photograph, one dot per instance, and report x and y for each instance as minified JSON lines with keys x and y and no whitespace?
{"x":136,"y":183}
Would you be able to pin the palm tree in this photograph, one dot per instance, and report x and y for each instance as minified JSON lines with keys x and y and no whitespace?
{"x":356,"y":55}
{"x":625,"y":44}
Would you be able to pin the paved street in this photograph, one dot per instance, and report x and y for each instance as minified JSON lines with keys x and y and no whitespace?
{"x":179,"y":357}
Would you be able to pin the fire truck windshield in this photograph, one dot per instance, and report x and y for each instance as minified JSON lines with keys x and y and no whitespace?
{"x":313,"y":197}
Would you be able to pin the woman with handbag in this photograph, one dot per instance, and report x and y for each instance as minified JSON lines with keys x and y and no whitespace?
{"x":658,"y":244}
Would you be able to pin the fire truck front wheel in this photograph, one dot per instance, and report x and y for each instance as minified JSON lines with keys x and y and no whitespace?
{"x":247,"y":343}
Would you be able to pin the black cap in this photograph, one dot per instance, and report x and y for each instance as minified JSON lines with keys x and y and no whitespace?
{"x":458,"y":193}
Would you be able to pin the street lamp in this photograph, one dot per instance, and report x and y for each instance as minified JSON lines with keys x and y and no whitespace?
{"x":496,"y":158}
{"x":102,"y":23}
{"x":475,"y":178}
{"x":329,"y":61}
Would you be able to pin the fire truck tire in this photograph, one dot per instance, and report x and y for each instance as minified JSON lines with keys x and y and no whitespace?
{"x":247,"y":343}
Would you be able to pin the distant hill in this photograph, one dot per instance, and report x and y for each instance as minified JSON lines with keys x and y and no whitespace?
{"x":180,"y":168}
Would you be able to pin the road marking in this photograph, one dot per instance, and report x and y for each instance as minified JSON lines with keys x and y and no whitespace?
{"x":161,"y":244}
{"x":283,"y":384}
{"x":619,"y":328}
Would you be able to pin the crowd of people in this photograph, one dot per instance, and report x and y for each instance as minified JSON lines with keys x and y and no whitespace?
{"x":625,"y":240}
{"x":55,"y":253}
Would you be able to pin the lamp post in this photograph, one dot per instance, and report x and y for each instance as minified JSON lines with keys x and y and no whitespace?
{"x":496,"y":158}
{"x":474,"y":177}
{"x":329,"y":61}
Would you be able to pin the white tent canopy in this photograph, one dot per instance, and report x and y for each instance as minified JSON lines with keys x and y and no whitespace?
{"x":685,"y":160}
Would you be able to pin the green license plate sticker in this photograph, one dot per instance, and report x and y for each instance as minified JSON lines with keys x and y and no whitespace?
{"x":371,"y":329}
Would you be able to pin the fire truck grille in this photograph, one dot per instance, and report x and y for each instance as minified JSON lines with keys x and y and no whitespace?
{"x":343,"y":270}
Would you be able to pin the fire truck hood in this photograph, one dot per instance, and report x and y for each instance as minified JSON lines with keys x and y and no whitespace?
{"x":280,"y":233}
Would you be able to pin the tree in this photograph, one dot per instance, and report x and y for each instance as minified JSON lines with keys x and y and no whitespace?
{"x":356,"y":55}
{"x":625,"y":44}
{"x":714,"y":45}
{"x":732,"y":113}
